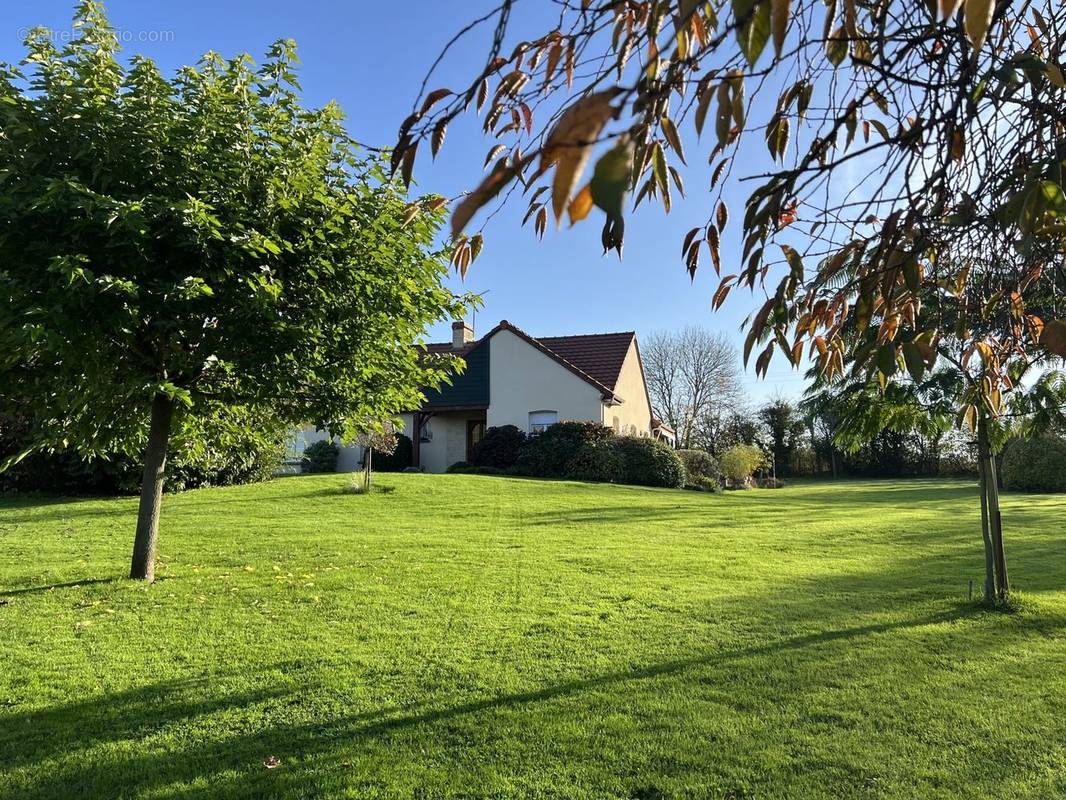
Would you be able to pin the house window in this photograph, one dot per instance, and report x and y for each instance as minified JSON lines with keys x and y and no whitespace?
{"x":540,"y":420}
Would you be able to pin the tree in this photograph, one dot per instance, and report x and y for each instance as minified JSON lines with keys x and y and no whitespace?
{"x":694,"y":381}
{"x":785,"y":428}
{"x":917,"y":153}
{"x":382,"y":438}
{"x":170,"y":248}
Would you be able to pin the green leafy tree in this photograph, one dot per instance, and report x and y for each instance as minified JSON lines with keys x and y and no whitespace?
{"x":785,"y":428}
{"x":172,"y":247}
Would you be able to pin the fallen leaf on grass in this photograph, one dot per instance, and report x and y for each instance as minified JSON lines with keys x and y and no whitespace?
{"x":271,"y":762}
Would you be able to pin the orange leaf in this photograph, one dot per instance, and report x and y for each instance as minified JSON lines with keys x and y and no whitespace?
{"x":581,"y":205}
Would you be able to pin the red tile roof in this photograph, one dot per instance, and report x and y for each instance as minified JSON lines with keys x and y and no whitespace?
{"x":600,"y":355}
{"x":597,"y":357}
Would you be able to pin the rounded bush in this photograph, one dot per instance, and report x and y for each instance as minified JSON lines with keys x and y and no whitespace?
{"x":740,"y":462}
{"x":647,"y":462}
{"x":321,"y":456}
{"x":499,"y":447}
{"x":548,"y":454}
{"x":1035,"y":465}
{"x":596,"y":461}
{"x":698,"y":464}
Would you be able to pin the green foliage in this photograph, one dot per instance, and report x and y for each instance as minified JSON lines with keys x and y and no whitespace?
{"x":785,"y":427}
{"x":464,"y":468}
{"x":320,"y":456}
{"x":499,"y":447}
{"x":205,"y":237}
{"x":231,"y":446}
{"x":1035,"y":465}
{"x":698,"y":464}
{"x":703,"y":483}
{"x":598,"y":461}
{"x":548,"y":454}
{"x":740,"y":462}
{"x":647,"y":462}
{"x":399,"y":459}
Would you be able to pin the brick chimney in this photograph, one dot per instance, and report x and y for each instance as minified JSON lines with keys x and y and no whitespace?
{"x":462,"y":335}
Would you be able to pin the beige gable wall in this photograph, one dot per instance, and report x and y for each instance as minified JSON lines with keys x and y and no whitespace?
{"x":634,"y":413}
{"x":523,"y":379}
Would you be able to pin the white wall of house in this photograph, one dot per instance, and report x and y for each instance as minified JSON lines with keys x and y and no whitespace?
{"x":522,"y":380}
{"x":634,"y":415}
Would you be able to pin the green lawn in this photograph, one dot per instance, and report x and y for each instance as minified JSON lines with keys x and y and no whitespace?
{"x":470,"y":636}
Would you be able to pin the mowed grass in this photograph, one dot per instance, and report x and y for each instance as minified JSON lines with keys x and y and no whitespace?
{"x":468,"y":636}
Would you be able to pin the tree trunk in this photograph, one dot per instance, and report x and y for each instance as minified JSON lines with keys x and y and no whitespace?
{"x":990,"y":499}
{"x":155,"y":462}
{"x":995,"y":520}
{"x":986,"y":535}
{"x":369,"y":466}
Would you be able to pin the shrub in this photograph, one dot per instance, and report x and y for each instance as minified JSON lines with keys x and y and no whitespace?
{"x":647,"y":462}
{"x":596,"y":461}
{"x":232,"y":447}
{"x":399,"y":459}
{"x":698,"y":464}
{"x":321,"y":456}
{"x":548,"y":454}
{"x":771,"y":483}
{"x":1035,"y":465}
{"x":739,"y":463}
{"x":499,"y":447}
{"x":463,"y":468}
{"x":704,"y":484}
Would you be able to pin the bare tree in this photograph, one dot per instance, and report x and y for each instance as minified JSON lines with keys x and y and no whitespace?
{"x":693,"y":378}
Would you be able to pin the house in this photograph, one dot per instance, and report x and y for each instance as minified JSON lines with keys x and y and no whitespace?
{"x":512,"y":378}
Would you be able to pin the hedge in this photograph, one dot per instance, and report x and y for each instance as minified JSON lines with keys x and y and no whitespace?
{"x":1035,"y":465}
{"x":499,"y":447}
{"x":647,"y":462}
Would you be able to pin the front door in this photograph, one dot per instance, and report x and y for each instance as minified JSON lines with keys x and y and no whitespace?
{"x":475,"y":430}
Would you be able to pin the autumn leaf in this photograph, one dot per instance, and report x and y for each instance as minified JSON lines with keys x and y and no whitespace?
{"x":570,"y":142}
{"x":439,"y":131}
{"x":433,"y":98}
{"x":670,"y":131}
{"x":502,"y":175}
{"x":753,"y":27}
{"x":1053,"y":337}
{"x":581,"y":205}
{"x":780,"y":10}
{"x":948,"y":8}
{"x":977,"y":19}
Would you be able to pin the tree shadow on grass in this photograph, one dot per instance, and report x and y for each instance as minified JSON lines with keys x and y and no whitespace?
{"x":232,"y":763}
{"x":53,"y":586}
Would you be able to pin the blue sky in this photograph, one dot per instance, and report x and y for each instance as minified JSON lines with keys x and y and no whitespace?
{"x":371,"y":58}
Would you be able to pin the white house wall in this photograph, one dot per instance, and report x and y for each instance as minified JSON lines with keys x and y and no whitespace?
{"x":634,"y":415}
{"x":523,"y":379}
